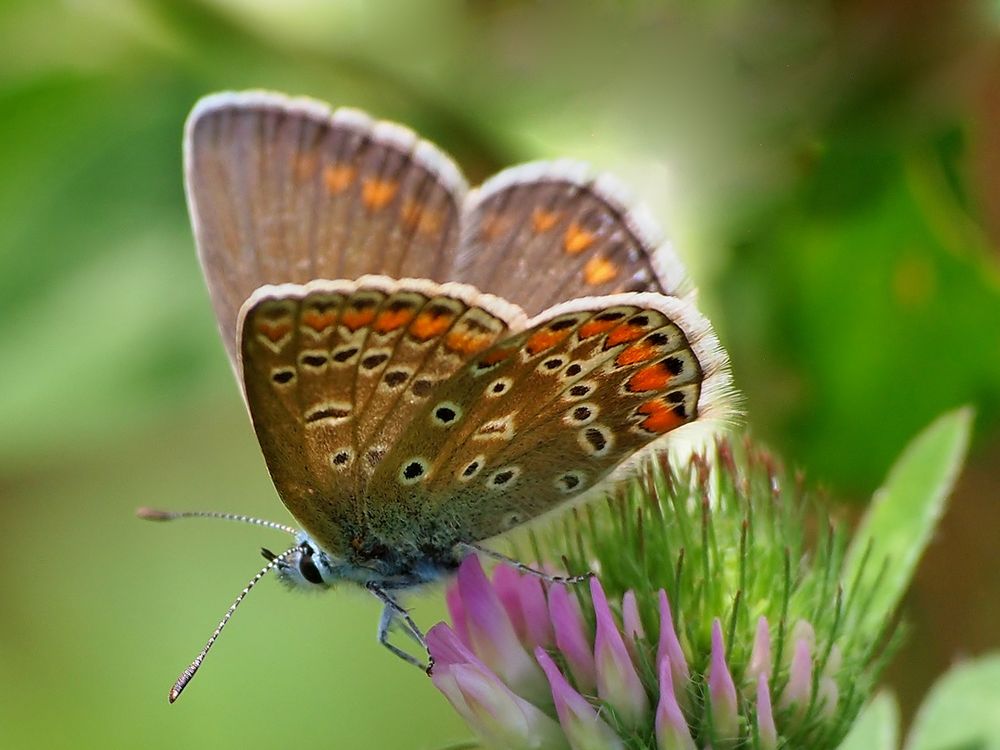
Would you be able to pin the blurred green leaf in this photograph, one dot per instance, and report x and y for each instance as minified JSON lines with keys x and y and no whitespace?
{"x":903,"y":515}
{"x":877,"y":728}
{"x":960,"y":712}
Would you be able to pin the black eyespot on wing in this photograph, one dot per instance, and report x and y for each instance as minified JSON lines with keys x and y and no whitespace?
{"x":581,"y":413}
{"x":283,"y":376}
{"x":471,"y":469}
{"x":314,"y":360}
{"x":658,"y":339}
{"x":445,"y":414}
{"x":579,"y":390}
{"x":609,"y":316}
{"x":573,"y":370}
{"x":640,"y":320}
{"x":345,"y":354}
{"x":413,"y":470}
{"x":373,"y":360}
{"x":552,"y":364}
{"x":395,"y":377}
{"x":675,"y":397}
{"x":596,"y":438}
{"x":674,"y":365}
{"x":422,"y":387}
{"x":569,"y":481}
{"x":503,"y":477}
{"x":341,"y":458}
{"x":562,"y":325}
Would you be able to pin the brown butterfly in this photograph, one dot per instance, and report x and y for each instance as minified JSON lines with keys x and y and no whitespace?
{"x":427,"y":366}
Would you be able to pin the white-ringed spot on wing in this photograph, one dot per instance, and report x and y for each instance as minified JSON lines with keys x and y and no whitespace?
{"x":446,"y":414}
{"x":503,"y":478}
{"x":328,"y":412}
{"x":283,"y":376}
{"x":579,"y":390}
{"x":581,"y":415}
{"x":596,"y":440}
{"x":422,"y":387}
{"x":472,"y":468}
{"x":496,"y":429}
{"x":341,"y":459}
{"x":313,"y":359}
{"x":550,"y":365}
{"x":343,"y":356}
{"x":499,"y":387}
{"x":396,"y":377}
{"x":375,"y":358}
{"x":571,"y":370}
{"x":570,"y":482}
{"x":413,"y":470}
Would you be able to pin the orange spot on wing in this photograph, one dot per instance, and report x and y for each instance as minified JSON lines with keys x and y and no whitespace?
{"x":318,"y":321}
{"x":377,"y":193}
{"x":577,"y":239}
{"x":493,"y":226}
{"x":626,"y":333}
{"x":495,"y":357}
{"x":635,"y":353}
{"x":467,"y":343}
{"x":419,"y":218}
{"x":544,"y":339}
{"x":305,"y":166}
{"x":428,"y":325}
{"x":542,"y":220}
{"x":274,"y":332}
{"x":598,"y":270}
{"x":594,"y":327}
{"x":391,"y":320}
{"x":649,"y":378}
{"x":358,"y":318}
{"x":660,"y":417}
{"x":338,"y":177}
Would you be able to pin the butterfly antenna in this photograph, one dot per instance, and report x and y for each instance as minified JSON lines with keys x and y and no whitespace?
{"x":152,"y":514}
{"x":188,"y":674}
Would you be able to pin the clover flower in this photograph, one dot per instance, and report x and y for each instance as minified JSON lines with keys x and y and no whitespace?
{"x":716,"y":618}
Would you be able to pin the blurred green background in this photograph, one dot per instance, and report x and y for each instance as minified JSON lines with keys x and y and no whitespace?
{"x":830,"y":171}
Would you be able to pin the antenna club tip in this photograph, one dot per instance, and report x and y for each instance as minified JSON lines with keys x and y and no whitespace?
{"x":152,"y":514}
{"x":174,"y":695}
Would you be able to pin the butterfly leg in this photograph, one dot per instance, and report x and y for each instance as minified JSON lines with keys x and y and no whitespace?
{"x":393,"y":612}
{"x":522,"y":568}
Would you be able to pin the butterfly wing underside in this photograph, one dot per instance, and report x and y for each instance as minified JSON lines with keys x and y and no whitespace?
{"x":547,"y":413}
{"x":334,"y":373}
{"x":287,"y":190}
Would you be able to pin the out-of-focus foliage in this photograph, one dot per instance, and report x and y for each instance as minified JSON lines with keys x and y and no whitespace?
{"x":830,"y":171}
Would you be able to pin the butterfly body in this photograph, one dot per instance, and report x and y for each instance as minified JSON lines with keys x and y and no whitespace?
{"x":427,"y":367}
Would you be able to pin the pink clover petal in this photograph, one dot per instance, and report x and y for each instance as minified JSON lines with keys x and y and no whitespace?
{"x":722,"y":689}
{"x":670,"y":650}
{"x":571,"y":637}
{"x":672,"y":731}
{"x":618,"y":682}
{"x":499,"y":716}
{"x":507,"y":584}
{"x":632,"y":624}
{"x":446,"y":648}
{"x":583,"y":726}
{"x":456,"y":610}
{"x":760,"y":654}
{"x":536,"y":612}
{"x":767,"y":733}
{"x":493,"y":637}
{"x":799,"y":684}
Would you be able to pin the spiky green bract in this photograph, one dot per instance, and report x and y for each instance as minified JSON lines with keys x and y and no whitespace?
{"x":729,"y":536}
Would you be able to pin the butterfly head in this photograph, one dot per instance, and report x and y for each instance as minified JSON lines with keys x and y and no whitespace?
{"x":307,"y":568}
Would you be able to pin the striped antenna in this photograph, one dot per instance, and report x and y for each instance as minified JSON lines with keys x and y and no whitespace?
{"x":152,"y":514}
{"x":188,"y":674}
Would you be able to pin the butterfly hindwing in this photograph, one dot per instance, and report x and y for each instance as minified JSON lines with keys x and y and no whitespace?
{"x":548,"y":412}
{"x":286,"y":190}
{"x":545,"y":232}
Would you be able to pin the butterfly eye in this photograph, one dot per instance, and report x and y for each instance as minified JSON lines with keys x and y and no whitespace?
{"x":309,"y":570}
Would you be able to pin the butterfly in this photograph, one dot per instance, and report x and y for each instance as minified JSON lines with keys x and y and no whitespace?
{"x":428,"y":366}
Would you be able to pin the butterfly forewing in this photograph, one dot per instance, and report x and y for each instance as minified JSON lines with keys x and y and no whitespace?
{"x":547,"y":413}
{"x":284,"y":190}
{"x":334,"y":373}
